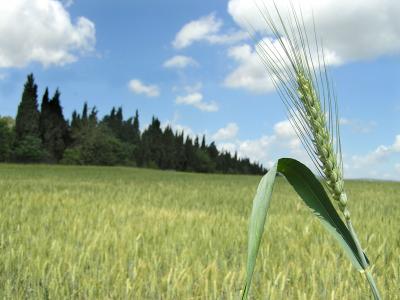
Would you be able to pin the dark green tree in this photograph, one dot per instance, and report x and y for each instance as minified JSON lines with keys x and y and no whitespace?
{"x":112,"y":141}
{"x":94,"y":143}
{"x":181,"y":160}
{"x":27,"y":120}
{"x":203,"y":143}
{"x":136,"y":129}
{"x":6,"y":138}
{"x":196,"y":143}
{"x":53,"y":127}
{"x":151,"y":152}
{"x":85,"y":112}
{"x":28,"y":145}
{"x":29,"y":149}
{"x":169,"y":154}
{"x":189,"y":155}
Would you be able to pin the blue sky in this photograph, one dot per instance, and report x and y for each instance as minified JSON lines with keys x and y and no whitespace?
{"x":191,"y":64}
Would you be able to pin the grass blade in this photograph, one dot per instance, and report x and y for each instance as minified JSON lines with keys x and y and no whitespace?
{"x":311,"y":191}
{"x":257,"y":220}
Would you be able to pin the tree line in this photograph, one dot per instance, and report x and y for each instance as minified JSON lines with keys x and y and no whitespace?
{"x":44,"y":135}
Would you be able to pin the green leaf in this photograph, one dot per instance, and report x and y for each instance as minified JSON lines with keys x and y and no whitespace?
{"x":257,"y":220}
{"x":314,"y":196}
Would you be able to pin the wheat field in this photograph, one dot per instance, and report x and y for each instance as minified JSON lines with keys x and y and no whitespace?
{"x":125,"y":233}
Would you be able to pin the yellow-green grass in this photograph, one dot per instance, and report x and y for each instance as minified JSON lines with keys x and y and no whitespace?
{"x":124,"y":233}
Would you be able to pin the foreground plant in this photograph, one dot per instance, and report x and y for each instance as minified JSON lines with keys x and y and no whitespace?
{"x":298,"y":70}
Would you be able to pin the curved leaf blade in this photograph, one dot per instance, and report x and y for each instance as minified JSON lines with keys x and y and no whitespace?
{"x":258,"y":217}
{"x":311,"y":191}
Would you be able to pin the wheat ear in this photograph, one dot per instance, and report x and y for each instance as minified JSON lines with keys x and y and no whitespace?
{"x":301,"y":82}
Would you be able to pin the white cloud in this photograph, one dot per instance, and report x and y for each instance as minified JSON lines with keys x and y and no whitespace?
{"x":351,"y":30}
{"x":396,"y":144}
{"x":180,"y":62}
{"x":380,"y":161}
{"x":68,"y":3}
{"x":367,"y":30}
{"x":397,"y":167}
{"x":177,"y":127}
{"x":188,"y":88}
{"x":187,"y":131}
{"x":42,"y":31}
{"x":193,"y":88}
{"x":228,"y":132}
{"x":227,"y":147}
{"x":196,"y":100}
{"x":358,"y":126}
{"x":206,"y":28}
{"x":267,"y":148}
{"x":380,"y":154}
{"x":250,"y":73}
{"x":138,"y":87}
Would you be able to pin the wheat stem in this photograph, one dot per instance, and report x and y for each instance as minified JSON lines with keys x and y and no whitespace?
{"x":368,"y":274}
{"x":373,"y":286}
{"x":294,"y":75}
{"x":328,"y":157}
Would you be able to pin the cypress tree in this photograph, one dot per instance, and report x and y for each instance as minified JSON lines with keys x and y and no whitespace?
{"x":196,"y":142}
{"x":84,"y":118}
{"x":54,"y":128}
{"x":203,"y":143}
{"x":45,"y":117}
{"x":169,"y":159}
{"x":119,"y":119}
{"x":27,"y":120}
{"x":181,"y":160}
{"x":60,"y":127}
{"x":189,"y":154}
{"x":28,"y":145}
{"x":136,"y":129}
{"x":112,"y":141}
{"x":75,"y":122}
{"x":92,"y":119}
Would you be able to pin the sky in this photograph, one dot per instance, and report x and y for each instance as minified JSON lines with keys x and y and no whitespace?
{"x":194,"y":66}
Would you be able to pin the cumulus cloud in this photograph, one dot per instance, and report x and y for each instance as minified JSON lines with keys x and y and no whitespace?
{"x":358,"y":126}
{"x":138,"y":87}
{"x":68,"y":3}
{"x":350,"y":30}
{"x":250,"y":73}
{"x":178,"y":127}
{"x":180,"y":62}
{"x":196,"y":100}
{"x":187,"y":131}
{"x":381,"y":163}
{"x":42,"y":31}
{"x":368,"y":29}
{"x":206,"y":28}
{"x":226,"y":133}
{"x":380,"y":154}
{"x":383,"y":160}
{"x":266,"y":149}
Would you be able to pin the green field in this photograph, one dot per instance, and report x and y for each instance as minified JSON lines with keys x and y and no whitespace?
{"x":123,"y":233}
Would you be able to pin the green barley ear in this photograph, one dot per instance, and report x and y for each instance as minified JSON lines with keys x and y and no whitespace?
{"x":297,"y":67}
